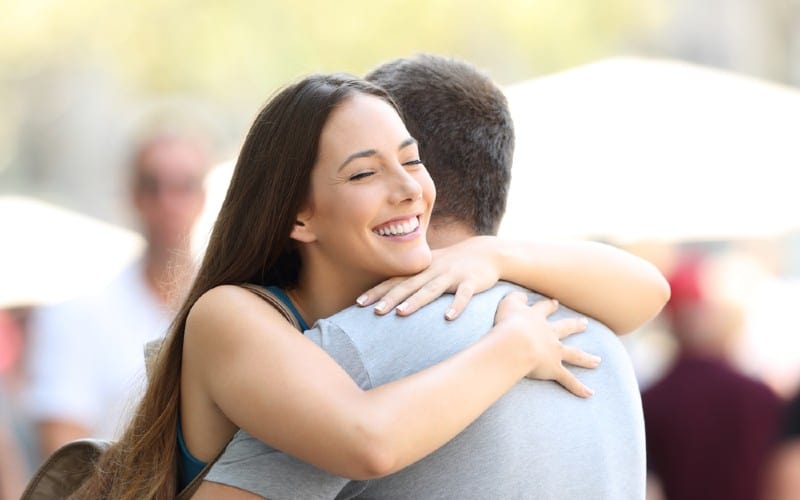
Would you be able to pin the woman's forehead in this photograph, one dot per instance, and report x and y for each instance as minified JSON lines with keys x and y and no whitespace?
{"x":362,"y":122}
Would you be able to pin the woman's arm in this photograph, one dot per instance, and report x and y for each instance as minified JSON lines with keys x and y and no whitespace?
{"x":284,"y":390}
{"x":615,"y":287}
{"x":610,"y":285}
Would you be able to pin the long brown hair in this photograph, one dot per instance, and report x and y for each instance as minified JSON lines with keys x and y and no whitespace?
{"x":249,"y":243}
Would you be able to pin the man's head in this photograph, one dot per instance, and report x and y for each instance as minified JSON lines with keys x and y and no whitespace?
{"x":705,"y":311}
{"x":466,"y":137}
{"x":167,"y":187}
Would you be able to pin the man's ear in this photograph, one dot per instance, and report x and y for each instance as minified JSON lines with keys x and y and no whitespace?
{"x":302,"y":230}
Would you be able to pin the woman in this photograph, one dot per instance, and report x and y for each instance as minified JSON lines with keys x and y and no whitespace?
{"x":304,"y":213}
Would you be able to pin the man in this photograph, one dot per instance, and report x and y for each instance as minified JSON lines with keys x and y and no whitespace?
{"x":538,"y":441}
{"x":86,"y":355}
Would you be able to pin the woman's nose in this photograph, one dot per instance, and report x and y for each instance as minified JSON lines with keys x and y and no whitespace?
{"x":406,"y":189}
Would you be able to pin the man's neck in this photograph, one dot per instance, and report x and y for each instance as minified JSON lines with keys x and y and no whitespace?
{"x":443,"y":233}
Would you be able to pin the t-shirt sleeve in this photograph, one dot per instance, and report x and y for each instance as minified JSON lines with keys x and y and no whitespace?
{"x":59,"y":366}
{"x":251,"y":465}
{"x":338,"y":344}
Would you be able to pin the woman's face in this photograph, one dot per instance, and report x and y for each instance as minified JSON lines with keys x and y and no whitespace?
{"x":371,"y":198}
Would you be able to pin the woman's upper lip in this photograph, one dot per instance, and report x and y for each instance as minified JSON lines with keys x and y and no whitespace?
{"x":395,"y":220}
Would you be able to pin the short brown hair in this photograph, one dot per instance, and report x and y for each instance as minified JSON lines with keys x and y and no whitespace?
{"x":466,"y":136}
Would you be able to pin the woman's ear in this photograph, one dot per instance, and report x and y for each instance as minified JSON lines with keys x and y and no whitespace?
{"x":302,"y":230}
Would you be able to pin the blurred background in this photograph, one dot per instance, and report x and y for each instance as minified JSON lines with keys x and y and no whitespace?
{"x":661,"y":126}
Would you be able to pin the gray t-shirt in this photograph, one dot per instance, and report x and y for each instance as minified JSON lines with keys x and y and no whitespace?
{"x":537,"y":442}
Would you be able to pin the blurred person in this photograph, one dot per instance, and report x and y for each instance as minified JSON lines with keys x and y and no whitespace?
{"x":538,"y":440}
{"x":709,"y":427}
{"x":14,"y":457}
{"x":328,"y":198}
{"x":13,"y":465}
{"x":784,"y":470}
{"x":85,"y":362}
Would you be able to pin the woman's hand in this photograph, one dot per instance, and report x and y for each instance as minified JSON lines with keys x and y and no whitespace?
{"x":464,"y":269}
{"x":550,"y":353}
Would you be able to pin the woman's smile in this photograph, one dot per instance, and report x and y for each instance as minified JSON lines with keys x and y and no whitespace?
{"x":399,"y":227}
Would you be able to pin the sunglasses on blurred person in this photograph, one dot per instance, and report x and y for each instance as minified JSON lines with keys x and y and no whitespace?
{"x":154,"y":187}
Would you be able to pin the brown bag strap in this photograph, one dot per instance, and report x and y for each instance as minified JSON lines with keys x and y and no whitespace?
{"x":264,"y":293}
{"x":65,"y":470}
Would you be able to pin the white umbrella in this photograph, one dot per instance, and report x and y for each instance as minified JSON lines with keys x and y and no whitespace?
{"x":629,"y":149}
{"x":49,"y":253}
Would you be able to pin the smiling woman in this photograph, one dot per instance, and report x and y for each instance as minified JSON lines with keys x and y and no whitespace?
{"x":328,"y":197}
{"x":386,"y":187}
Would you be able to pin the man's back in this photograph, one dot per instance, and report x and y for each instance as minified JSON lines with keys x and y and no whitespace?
{"x":538,"y":441}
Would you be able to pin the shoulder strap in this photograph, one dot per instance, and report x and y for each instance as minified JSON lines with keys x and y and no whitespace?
{"x":277,"y":303}
{"x":274,"y":301}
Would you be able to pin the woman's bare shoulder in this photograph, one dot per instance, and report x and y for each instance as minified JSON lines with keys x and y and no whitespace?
{"x":227,"y":312}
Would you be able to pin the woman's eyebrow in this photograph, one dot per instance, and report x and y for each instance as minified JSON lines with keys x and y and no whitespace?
{"x":361,"y":154}
{"x":372,"y":152}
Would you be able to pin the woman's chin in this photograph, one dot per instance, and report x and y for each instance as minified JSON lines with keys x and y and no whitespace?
{"x":416,"y":265}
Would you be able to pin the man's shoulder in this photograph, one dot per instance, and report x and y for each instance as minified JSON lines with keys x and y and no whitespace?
{"x":357,"y":316}
{"x":481,"y":304}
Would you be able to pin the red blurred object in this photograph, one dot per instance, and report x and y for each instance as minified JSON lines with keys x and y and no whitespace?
{"x":686,"y":281}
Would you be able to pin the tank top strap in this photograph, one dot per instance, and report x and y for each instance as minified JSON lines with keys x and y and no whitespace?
{"x":283,"y":297}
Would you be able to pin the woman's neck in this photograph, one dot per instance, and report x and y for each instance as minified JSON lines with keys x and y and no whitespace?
{"x":320,"y":293}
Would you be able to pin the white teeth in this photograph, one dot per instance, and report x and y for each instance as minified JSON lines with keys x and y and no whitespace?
{"x":399,"y":229}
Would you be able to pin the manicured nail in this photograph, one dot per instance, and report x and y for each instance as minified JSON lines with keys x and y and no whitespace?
{"x":362,"y":300}
{"x":591,"y":392}
{"x":450,"y":314}
{"x":402,"y":307}
{"x":380,"y":306}
{"x":596,"y":359}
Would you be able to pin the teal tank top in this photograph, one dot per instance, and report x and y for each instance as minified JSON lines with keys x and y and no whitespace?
{"x":189,"y":466}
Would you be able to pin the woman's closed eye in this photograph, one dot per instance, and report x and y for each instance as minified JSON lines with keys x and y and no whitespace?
{"x":361,"y":175}
{"x":367,"y":173}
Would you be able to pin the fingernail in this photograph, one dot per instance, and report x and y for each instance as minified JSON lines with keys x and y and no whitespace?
{"x":450,"y":314}
{"x":591,"y":392}
{"x":402,"y":307}
{"x":362,"y":300}
{"x":555,"y":302}
{"x":380,"y":306}
{"x":596,"y":359}
{"x":584,"y":322}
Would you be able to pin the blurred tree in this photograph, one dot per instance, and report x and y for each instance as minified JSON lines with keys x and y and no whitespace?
{"x":75,"y":73}
{"x":239,"y":49}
